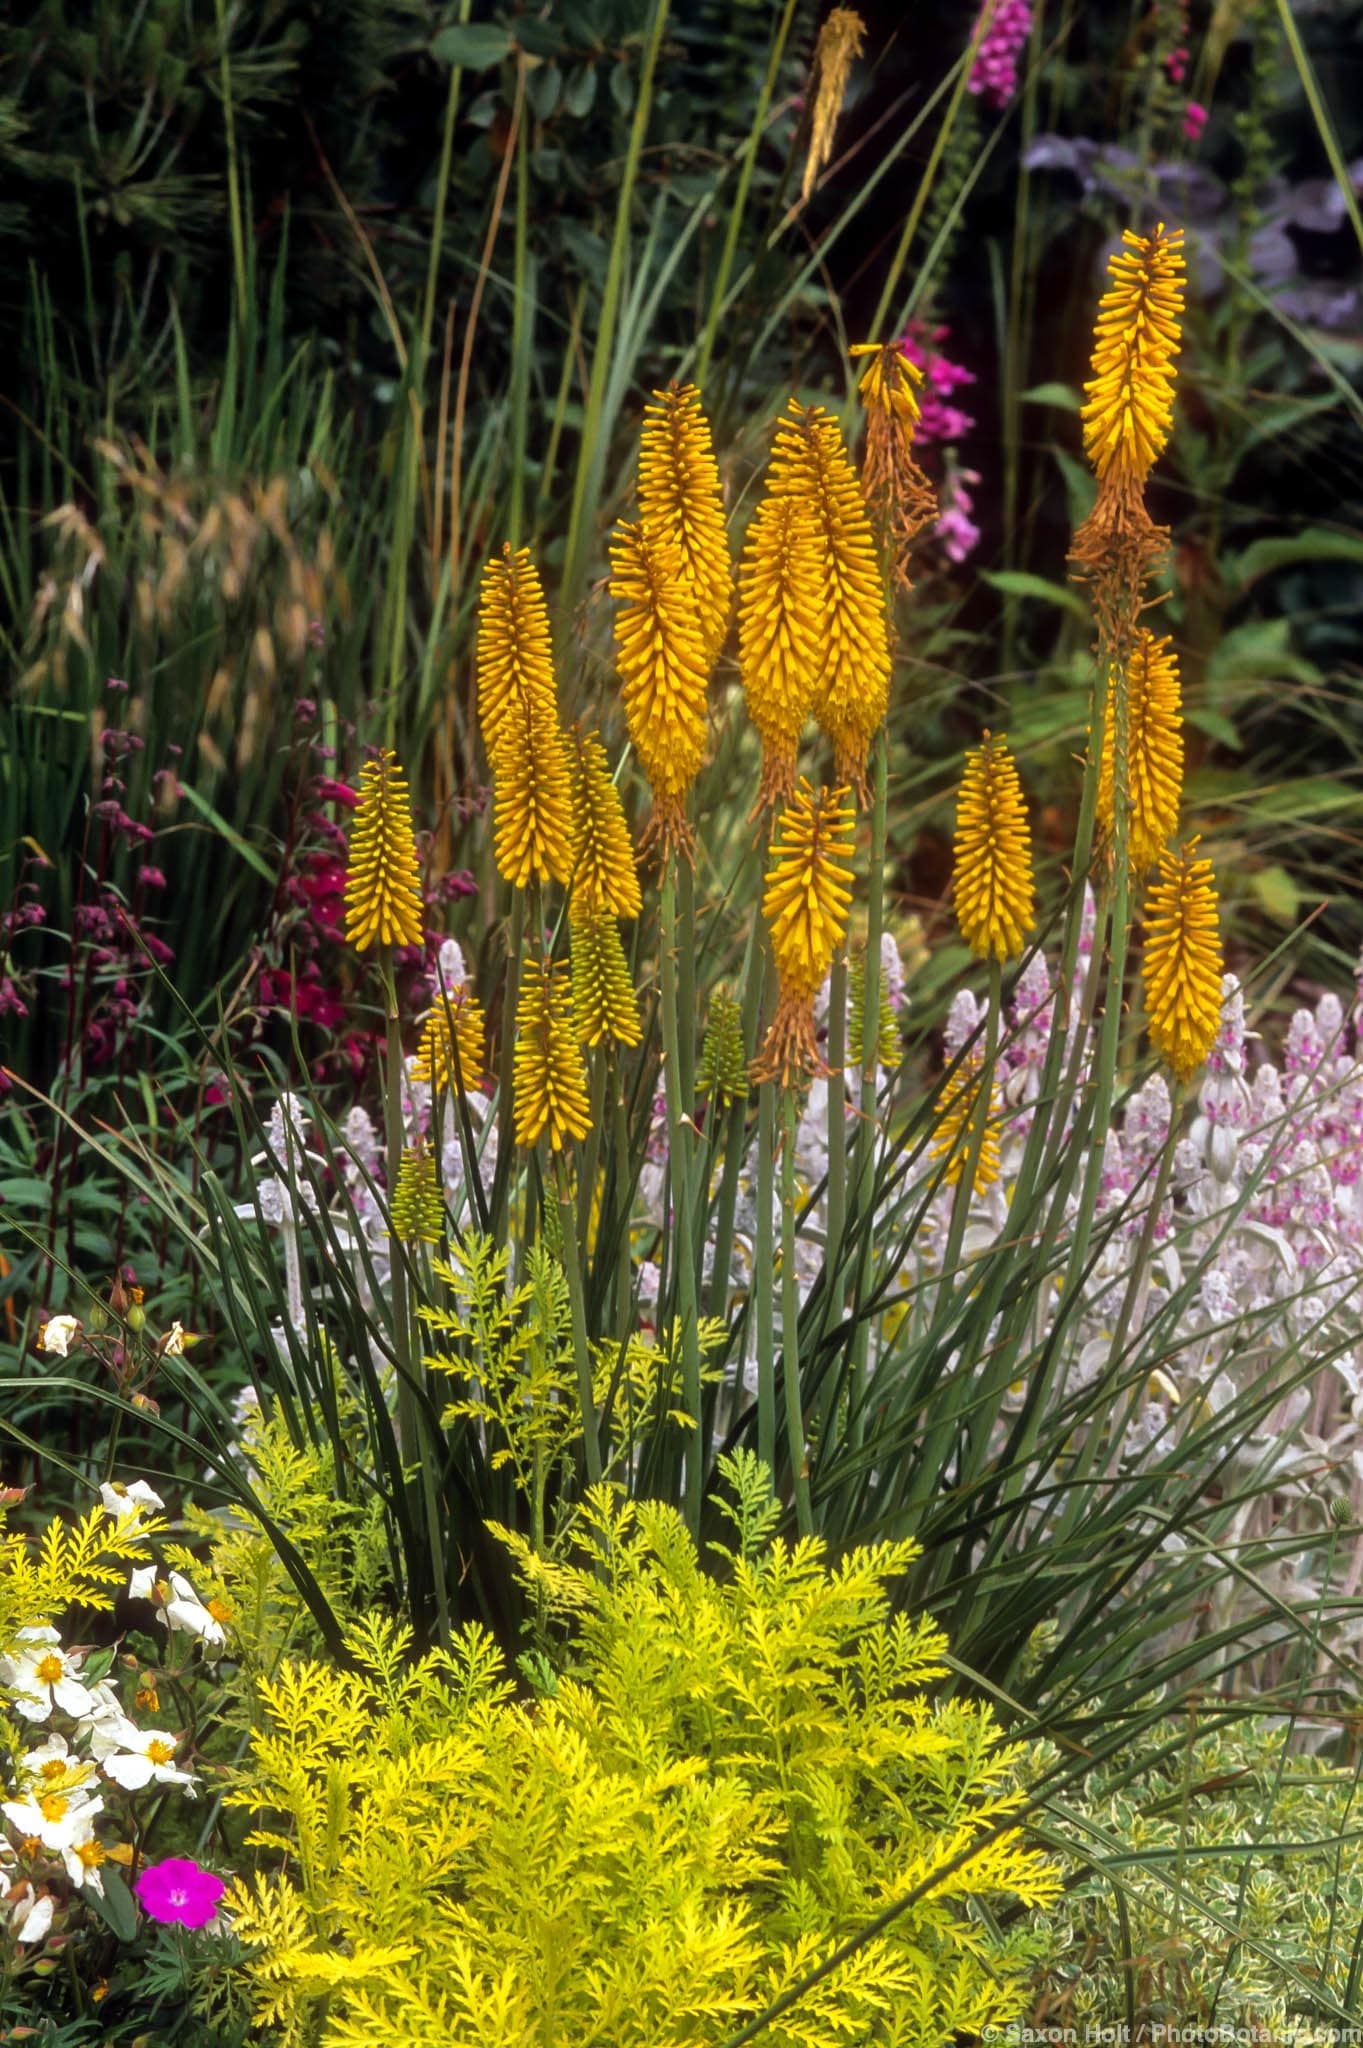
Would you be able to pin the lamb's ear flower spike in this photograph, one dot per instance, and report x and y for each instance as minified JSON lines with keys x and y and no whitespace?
{"x":550,"y":1079}
{"x":680,"y":503}
{"x":456,"y":1024}
{"x":779,"y":648}
{"x":810,"y":463}
{"x":1181,"y":965}
{"x":838,"y":47}
{"x":1154,"y":751}
{"x":605,"y":879}
{"x":992,"y":884}
{"x":807,"y":898}
{"x":383,"y":880}
{"x":660,"y":653}
{"x":518,"y":714}
{"x":604,"y":1003}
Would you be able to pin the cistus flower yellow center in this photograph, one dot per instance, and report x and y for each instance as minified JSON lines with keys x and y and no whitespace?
{"x":550,"y":1079}
{"x":518,"y":713}
{"x":779,"y":648}
{"x":660,"y":653}
{"x":1154,"y":751}
{"x":680,"y":504}
{"x":810,"y":463}
{"x":992,"y":884}
{"x":806,"y":902}
{"x":1181,"y":965}
{"x":383,"y":880}
{"x":1128,"y":416}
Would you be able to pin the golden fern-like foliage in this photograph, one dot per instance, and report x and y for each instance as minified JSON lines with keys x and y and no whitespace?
{"x":730,"y":1773}
{"x":71,"y":1564}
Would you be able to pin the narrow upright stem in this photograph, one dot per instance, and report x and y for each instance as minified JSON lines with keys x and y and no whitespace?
{"x":582,"y":1356}
{"x":790,"y":1315}
{"x":764,"y":1266}
{"x":835,"y":1208}
{"x":682,"y":1236}
{"x":865,"y":1151}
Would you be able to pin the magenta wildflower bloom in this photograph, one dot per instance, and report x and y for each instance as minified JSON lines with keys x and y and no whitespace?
{"x":177,"y":1889}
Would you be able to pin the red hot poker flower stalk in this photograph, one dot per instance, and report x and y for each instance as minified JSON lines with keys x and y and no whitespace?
{"x":680,"y":504}
{"x":1128,"y":418}
{"x":779,"y":649}
{"x":383,"y":880}
{"x":810,"y":463}
{"x":993,"y":887}
{"x":550,"y":1079}
{"x":1154,"y":752}
{"x":518,"y":713}
{"x":660,"y":653}
{"x":901,"y":500}
{"x":1182,"y":965}
{"x":808,"y":895}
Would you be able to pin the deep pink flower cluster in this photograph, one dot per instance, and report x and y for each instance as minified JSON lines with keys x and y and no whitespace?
{"x":994,"y":75}
{"x":943,"y":424}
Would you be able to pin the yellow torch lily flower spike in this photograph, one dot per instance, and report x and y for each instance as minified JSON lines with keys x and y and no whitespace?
{"x":810,"y":463}
{"x":838,"y":47}
{"x":1182,"y":965}
{"x":680,"y":503}
{"x":993,"y":885}
{"x":779,"y":649}
{"x":451,"y":1055}
{"x":1128,"y":417}
{"x":383,"y":880}
{"x":604,"y":1003}
{"x":660,"y":653}
{"x":518,"y":714}
{"x":417,"y":1211}
{"x":605,"y":878}
{"x":807,"y":898}
{"x":1154,"y":751}
{"x":955,"y":1118}
{"x":550,"y":1079}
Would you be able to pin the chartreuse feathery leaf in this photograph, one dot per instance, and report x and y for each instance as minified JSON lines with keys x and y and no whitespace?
{"x":728,"y":1772}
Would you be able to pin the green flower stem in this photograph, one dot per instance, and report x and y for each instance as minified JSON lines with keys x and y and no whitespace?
{"x":865,"y":1150}
{"x":683,"y":1237}
{"x":790,"y":1313}
{"x":506,"y":1064}
{"x":410,"y":1433}
{"x":624,"y":1271}
{"x":686,"y":980}
{"x":979,"y":1125}
{"x":582,"y":1355}
{"x":835,"y":1207}
{"x":600,"y":1060}
{"x":717,"y":1294}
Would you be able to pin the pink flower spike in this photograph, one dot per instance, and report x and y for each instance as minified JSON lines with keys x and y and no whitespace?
{"x":177,"y":1891}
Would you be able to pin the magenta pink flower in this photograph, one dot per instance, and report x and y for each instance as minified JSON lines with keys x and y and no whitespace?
{"x":994,"y":74}
{"x":179,"y":1891}
{"x":1194,"y":121}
